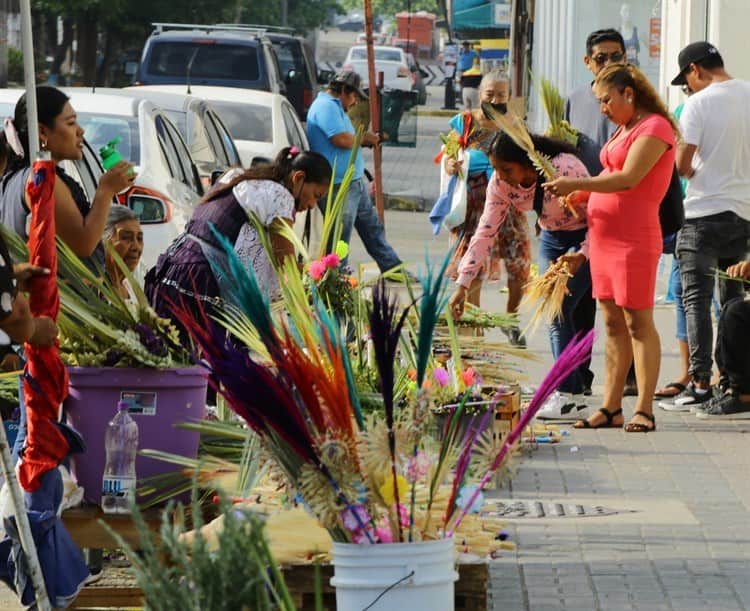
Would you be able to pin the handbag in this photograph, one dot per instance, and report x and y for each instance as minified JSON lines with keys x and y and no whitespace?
{"x":672,"y":207}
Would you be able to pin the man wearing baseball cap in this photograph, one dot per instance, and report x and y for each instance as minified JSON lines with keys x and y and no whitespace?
{"x":715,"y":155}
{"x":331,"y":133}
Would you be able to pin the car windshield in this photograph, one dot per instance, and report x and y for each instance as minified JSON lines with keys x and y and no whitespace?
{"x":101,"y":128}
{"x":246,"y":121}
{"x":209,"y":61}
{"x":391,"y":55}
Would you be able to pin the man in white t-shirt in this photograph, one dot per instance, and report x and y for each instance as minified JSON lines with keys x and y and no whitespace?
{"x":715,"y":155}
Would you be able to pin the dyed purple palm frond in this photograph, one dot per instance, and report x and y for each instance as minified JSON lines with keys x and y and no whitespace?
{"x":385,"y":331}
{"x":575,"y":354}
{"x":464,"y":458}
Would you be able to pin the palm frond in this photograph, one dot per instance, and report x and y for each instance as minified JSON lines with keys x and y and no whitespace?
{"x":577,"y":352}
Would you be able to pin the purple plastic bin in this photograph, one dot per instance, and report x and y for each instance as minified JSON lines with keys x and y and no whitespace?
{"x":159,"y":398}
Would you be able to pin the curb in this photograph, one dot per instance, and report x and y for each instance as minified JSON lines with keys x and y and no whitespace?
{"x":408,"y":203}
{"x":437,"y":112}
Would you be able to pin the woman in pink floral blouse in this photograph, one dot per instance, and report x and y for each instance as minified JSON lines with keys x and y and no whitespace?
{"x":516,"y":185}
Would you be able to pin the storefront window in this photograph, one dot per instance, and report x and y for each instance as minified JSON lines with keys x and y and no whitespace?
{"x":639,"y":22}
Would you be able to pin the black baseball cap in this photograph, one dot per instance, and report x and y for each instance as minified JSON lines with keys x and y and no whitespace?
{"x":693,"y":53}
{"x":350,"y":79}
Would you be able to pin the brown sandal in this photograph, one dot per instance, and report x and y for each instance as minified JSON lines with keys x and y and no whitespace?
{"x":585,"y":424}
{"x":637,"y":427}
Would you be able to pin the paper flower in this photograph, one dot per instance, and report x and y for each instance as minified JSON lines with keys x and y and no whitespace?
{"x":331,"y":261}
{"x":468,"y":376}
{"x":342,"y":249}
{"x":386,"y":490}
{"x":349,"y":518}
{"x":383,"y":532}
{"x":317,"y":269}
{"x":465,"y":495}
{"x":441,"y":376}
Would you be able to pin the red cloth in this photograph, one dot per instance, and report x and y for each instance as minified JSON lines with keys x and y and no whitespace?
{"x":45,"y":391}
{"x":625,"y":240}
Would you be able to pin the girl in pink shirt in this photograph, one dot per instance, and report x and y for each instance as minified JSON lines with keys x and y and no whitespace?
{"x":516,"y":184}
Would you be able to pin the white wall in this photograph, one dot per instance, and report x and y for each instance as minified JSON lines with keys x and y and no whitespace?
{"x":722,"y":22}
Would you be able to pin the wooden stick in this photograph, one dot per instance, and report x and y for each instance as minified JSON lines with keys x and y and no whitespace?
{"x":377,"y":152}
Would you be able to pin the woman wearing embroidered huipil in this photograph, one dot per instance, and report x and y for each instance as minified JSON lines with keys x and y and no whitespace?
{"x":511,"y":243}
{"x":273,"y":193}
{"x":514,"y":187}
{"x":625,"y":236}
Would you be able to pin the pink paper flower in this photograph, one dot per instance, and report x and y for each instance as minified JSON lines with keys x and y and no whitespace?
{"x":383,"y":533}
{"x":331,"y":261}
{"x":350,"y":520}
{"x":317,"y":269}
{"x":441,"y":376}
{"x":468,"y":376}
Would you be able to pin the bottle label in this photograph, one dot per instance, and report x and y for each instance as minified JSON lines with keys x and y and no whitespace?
{"x":119,"y":487}
{"x":140,"y":403}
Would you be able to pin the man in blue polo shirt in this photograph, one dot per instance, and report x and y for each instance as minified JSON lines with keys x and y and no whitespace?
{"x":331,"y":133}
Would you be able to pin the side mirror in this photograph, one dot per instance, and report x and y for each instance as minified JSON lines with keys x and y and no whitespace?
{"x":291,"y":75}
{"x":150,"y":210}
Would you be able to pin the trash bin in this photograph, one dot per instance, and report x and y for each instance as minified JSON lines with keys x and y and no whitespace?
{"x":398,"y":117}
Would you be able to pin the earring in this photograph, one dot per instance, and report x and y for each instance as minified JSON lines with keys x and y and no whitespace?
{"x":43,"y":144}
{"x":630,"y":100}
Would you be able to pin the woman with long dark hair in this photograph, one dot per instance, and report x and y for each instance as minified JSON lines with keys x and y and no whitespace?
{"x":274,"y":193}
{"x":516,"y":186}
{"x":78,"y":221}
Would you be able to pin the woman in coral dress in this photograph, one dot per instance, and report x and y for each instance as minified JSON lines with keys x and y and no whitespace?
{"x":625,"y":236}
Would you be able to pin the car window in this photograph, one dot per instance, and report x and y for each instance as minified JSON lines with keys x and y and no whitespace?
{"x":246,"y":121}
{"x":290,"y":125}
{"x":211,"y":61}
{"x":186,"y":161}
{"x":233,"y":156}
{"x":216,"y":142}
{"x":197,"y":138}
{"x":102,"y":128}
{"x":289,"y":53}
{"x":169,"y":149}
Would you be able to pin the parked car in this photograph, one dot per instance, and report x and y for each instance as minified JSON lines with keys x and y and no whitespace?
{"x":261,"y":123}
{"x":298,"y":69}
{"x":208,"y":139}
{"x":224,"y":56}
{"x":398,"y":71}
{"x":167,"y":187}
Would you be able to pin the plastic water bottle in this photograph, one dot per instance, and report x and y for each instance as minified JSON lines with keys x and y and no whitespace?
{"x":121,"y":444}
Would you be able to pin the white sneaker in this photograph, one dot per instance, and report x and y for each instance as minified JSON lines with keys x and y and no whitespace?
{"x":564,"y":406}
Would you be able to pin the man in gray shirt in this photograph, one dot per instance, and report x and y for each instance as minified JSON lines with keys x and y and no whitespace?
{"x":583,"y":112}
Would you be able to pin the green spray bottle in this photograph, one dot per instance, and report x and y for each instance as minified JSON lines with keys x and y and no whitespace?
{"x":110,"y":155}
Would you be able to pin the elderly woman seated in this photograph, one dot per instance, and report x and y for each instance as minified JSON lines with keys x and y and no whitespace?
{"x":123,"y":231}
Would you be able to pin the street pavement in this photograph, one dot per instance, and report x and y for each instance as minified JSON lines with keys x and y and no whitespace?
{"x":680,"y":539}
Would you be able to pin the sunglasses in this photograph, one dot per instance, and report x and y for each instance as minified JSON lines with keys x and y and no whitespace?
{"x":602,"y":58}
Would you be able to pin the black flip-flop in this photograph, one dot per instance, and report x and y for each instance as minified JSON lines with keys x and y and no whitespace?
{"x":679,"y":387}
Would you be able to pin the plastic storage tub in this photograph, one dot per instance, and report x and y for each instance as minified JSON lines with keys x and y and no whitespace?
{"x":159,"y":399}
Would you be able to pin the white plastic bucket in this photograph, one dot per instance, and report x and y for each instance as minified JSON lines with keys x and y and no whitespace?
{"x":406,"y":576}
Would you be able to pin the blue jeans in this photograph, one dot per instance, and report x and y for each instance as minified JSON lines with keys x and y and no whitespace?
{"x":703,"y":245}
{"x":553,"y":244}
{"x":359,"y":213}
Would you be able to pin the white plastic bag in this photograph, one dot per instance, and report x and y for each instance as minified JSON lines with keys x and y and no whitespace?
{"x":457,"y":214}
